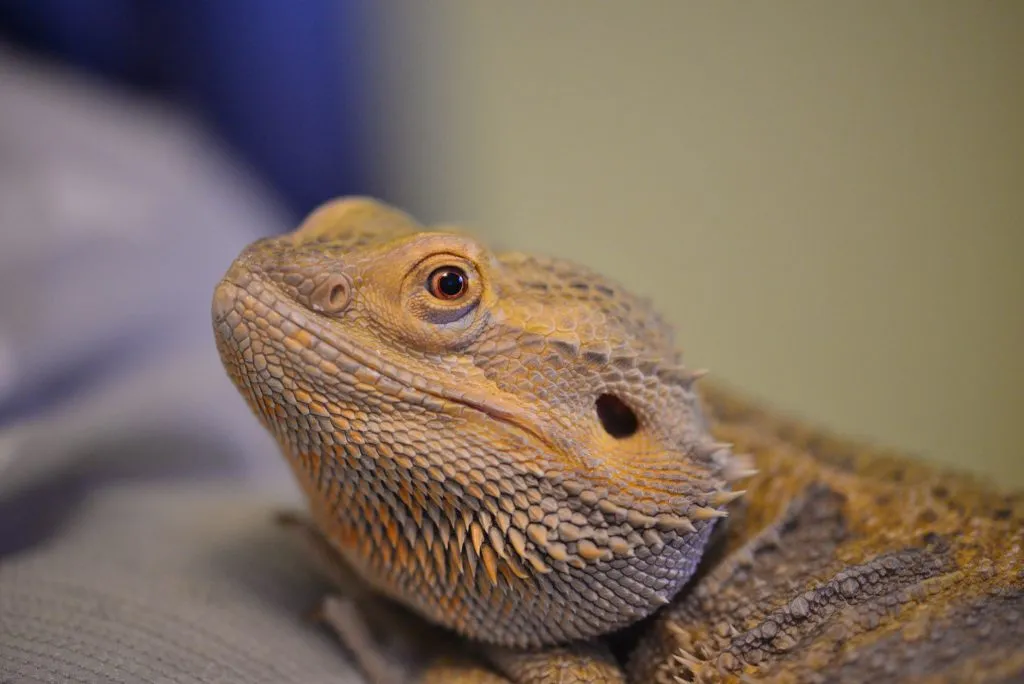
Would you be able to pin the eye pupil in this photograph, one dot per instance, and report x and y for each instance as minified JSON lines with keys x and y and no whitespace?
{"x":451,"y":283}
{"x":447,"y":283}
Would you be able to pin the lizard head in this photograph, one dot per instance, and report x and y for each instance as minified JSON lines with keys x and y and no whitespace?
{"x":507,"y":444}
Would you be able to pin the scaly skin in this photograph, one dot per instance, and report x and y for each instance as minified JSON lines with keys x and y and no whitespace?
{"x":847,"y":564}
{"x":527,"y":465}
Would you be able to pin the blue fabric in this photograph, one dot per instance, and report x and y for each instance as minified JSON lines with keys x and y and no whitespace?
{"x":286,"y":84}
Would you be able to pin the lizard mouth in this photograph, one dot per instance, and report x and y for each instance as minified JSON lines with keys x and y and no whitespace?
{"x":319,"y":344}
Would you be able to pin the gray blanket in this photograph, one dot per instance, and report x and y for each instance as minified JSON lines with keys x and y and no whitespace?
{"x":136,"y":491}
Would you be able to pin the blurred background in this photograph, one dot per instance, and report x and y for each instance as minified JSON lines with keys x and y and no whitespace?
{"x":827,"y":199}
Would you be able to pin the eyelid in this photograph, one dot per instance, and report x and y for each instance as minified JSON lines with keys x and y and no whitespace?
{"x":425,"y":267}
{"x":454,"y":259}
{"x":434,"y":310}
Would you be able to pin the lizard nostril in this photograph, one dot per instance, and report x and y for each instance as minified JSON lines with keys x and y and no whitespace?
{"x":332,"y":295}
{"x":617,"y":419}
{"x":336,"y":295}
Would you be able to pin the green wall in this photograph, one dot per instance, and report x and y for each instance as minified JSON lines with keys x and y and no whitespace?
{"x":827,"y":198}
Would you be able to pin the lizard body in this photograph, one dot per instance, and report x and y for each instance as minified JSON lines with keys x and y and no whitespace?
{"x":847,"y":563}
{"x":509,"y":447}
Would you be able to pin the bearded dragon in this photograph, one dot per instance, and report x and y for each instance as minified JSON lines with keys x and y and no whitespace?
{"x":514,"y":477}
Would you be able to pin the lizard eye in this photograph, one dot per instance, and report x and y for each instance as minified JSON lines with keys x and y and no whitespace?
{"x":443,"y":289}
{"x":448,"y":283}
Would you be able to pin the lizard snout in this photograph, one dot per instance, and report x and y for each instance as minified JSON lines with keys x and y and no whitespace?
{"x":225,"y":300}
